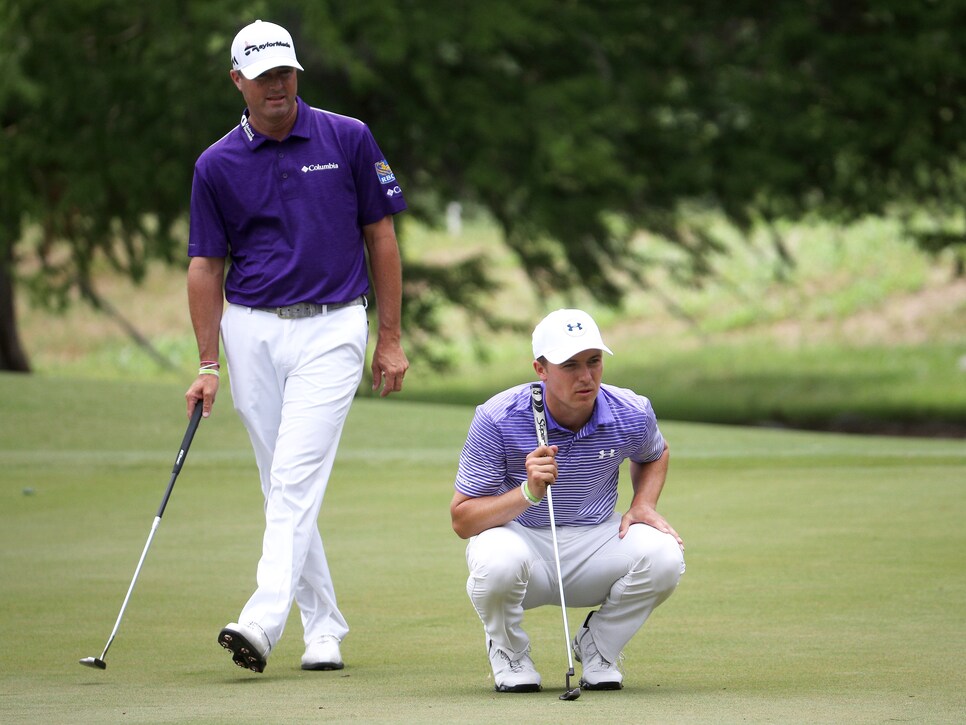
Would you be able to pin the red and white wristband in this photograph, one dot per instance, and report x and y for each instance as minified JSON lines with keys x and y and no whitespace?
{"x":209,"y":367}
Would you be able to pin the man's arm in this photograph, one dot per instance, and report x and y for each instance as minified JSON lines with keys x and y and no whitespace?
{"x":648,"y":480}
{"x":206,"y":301}
{"x":472,"y":515}
{"x":389,"y":363}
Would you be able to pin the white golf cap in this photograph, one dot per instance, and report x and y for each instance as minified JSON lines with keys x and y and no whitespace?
{"x":564,"y":333}
{"x":260,"y":47}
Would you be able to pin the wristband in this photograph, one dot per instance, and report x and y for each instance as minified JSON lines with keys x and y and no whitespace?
{"x":209,"y":371}
{"x":528,"y":497}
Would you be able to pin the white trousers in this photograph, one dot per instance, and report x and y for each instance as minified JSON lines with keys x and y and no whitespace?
{"x":512,"y":569}
{"x":293,"y":382}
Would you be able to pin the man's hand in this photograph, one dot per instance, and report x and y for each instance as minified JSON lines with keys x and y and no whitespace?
{"x":202,"y":392}
{"x":541,"y":469}
{"x":644,"y":514}
{"x":389,"y":366}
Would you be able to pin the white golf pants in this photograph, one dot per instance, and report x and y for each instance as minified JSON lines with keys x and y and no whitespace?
{"x":293,"y":382}
{"x":512,"y":569}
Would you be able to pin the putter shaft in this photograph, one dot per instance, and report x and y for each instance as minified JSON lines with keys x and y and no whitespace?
{"x":99,"y":662}
{"x":540,"y":423}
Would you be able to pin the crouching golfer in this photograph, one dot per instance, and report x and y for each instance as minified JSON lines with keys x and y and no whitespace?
{"x":623,"y":565}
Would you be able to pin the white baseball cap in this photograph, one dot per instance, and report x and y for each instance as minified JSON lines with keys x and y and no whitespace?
{"x":260,"y":47}
{"x":563,"y":333}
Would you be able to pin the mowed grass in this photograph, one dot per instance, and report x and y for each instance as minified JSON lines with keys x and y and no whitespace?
{"x":826,"y":575}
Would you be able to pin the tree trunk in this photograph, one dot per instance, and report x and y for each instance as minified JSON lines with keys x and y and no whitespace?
{"x":12,"y":355}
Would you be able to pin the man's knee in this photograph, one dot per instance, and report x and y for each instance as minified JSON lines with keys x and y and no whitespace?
{"x":498,"y":559}
{"x":659,"y":559}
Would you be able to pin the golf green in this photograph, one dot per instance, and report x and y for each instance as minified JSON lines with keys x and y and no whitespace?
{"x":825,"y":584}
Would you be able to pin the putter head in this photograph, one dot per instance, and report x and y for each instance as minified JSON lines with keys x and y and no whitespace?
{"x":94,"y":662}
{"x":570,"y":694}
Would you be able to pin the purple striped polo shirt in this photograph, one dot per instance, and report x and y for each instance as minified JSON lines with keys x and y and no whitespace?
{"x":290,"y":213}
{"x":493,"y":460}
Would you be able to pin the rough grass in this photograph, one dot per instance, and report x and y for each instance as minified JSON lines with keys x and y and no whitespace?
{"x":825,"y":575}
{"x":863,"y":333}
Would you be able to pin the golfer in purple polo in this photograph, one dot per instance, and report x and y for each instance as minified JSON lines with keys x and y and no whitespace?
{"x":293,"y":197}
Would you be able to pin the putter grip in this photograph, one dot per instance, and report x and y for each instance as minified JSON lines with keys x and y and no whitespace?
{"x":539,"y":416}
{"x":188,"y":436}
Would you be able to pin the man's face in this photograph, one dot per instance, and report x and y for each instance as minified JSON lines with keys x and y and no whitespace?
{"x":270,"y":97}
{"x":572,"y":386}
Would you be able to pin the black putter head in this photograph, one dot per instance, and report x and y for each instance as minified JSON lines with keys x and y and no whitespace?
{"x":570,"y":694}
{"x":94,"y":662}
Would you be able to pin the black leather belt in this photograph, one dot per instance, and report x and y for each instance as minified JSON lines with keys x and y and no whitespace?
{"x":310,"y":309}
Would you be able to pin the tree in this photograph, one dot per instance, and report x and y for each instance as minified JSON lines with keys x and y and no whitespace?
{"x":575,"y":123}
{"x":12,"y":86}
{"x":100,"y":132}
{"x":106,"y":105}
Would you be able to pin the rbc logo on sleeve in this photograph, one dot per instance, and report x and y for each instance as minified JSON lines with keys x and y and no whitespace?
{"x":384,"y":172}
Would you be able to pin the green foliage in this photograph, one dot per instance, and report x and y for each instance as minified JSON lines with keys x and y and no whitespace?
{"x":574,"y":124}
{"x":102,"y":132}
{"x":555,"y":115}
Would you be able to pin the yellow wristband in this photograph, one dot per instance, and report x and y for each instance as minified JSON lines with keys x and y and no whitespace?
{"x":209,"y":371}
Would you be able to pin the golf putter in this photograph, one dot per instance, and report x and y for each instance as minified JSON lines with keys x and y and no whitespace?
{"x":540,"y":422}
{"x":98,"y":662}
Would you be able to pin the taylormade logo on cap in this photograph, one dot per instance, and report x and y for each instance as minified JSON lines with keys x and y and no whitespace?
{"x":564,"y":333}
{"x":260,"y":47}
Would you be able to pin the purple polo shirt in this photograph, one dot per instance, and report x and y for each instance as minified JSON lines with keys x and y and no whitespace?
{"x":493,"y":460}
{"x":290,"y":214}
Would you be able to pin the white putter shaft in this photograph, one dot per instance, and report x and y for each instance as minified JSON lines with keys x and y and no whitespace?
{"x":540,"y":423}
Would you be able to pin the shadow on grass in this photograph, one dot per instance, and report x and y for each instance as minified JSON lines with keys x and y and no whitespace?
{"x":868,"y":403}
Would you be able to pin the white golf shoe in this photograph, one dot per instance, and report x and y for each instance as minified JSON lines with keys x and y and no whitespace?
{"x":517,"y":675}
{"x":248,"y":644}
{"x":323,"y":654}
{"x":598,"y":673}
